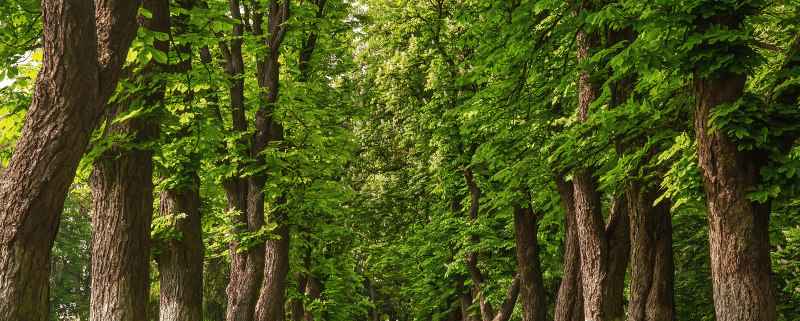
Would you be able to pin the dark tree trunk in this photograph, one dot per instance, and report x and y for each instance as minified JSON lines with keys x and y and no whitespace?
{"x":80,"y":68}
{"x":313,"y":292}
{"x":526,"y":228}
{"x":486,"y":310}
{"x":180,"y":260}
{"x":122,"y":191}
{"x":569,"y":303}
{"x":247,"y":265}
{"x":604,"y":251}
{"x":465,"y":300}
{"x":738,"y":228}
{"x":652,"y":266}
{"x":276,"y":265}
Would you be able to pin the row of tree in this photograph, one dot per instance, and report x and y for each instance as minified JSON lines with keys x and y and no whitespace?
{"x":389,"y":159}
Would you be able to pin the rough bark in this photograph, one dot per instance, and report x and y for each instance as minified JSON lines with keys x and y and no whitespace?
{"x":247,"y":265}
{"x":569,"y":302}
{"x":604,"y":250}
{"x":526,"y":228}
{"x":180,"y":260}
{"x":122,"y":192}
{"x":80,"y":68}
{"x":270,"y":306}
{"x":738,"y":228}
{"x":652,"y":266}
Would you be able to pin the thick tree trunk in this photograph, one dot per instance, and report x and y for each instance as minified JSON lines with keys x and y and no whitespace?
{"x":247,"y":265}
{"x":604,"y":250}
{"x":270,"y":303}
{"x":70,"y":94}
{"x":738,"y":228}
{"x":122,"y":191}
{"x":270,"y":306}
{"x":526,"y":228}
{"x":180,"y":260}
{"x":652,"y":266}
{"x":569,"y":303}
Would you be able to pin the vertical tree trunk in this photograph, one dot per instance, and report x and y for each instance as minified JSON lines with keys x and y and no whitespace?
{"x":486,"y":310}
{"x":296,"y":305}
{"x":569,"y":303}
{"x":276,"y":265}
{"x":652,"y":266}
{"x":122,"y":189}
{"x":80,"y":68}
{"x":247,"y":265}
{"x":526,"y":228}
{"x":180,"y":260}
{"x":738,"y":228}
{"x":604,"y":250}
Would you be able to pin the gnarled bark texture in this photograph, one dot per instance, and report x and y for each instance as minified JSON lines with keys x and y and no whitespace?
{"x":738,"y":228}
{"x":80,"y":68}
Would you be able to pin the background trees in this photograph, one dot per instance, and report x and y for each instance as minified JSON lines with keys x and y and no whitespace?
{"x":400,"y":160}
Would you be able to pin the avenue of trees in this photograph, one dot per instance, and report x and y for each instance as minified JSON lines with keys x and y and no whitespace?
{"x":442,"y":160}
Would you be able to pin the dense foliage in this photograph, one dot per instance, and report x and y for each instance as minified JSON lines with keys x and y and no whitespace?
{"x":415,"y":132}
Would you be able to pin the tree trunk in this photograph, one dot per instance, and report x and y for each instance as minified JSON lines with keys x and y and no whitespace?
{"x":569,"y":303}
{"x":180,"y":260}
{"x":604,"y":251}
{"x":122,"y":191}
{"x":486,"y":310}
{"x":738,"y":228}
{"x":80,"y":68}
{"x":526,"y":228}
{"x":276,"y":267}
{"x":507,"y":307}
{"x":314,"y":291}
{"x":247,"y":265}
{"x":652,"y":266}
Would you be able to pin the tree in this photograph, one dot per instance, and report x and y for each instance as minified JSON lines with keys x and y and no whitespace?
{"x":70,"y":96}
